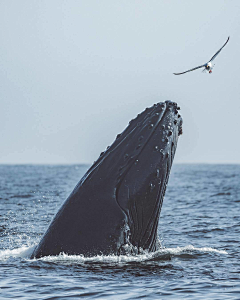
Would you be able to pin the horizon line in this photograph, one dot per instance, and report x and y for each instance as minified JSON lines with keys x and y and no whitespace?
{"x":88,"y":163}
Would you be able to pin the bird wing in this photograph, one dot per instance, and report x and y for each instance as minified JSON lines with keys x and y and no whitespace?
{"x":214,"y":56}
{"x":190,"y":70}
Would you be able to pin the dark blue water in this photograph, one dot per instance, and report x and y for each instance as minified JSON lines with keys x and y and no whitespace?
{"x":199,"y":229}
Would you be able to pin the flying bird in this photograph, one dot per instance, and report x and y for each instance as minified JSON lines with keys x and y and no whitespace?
{"x":208,"y":66}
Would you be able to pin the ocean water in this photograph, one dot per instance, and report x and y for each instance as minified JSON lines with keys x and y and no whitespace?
{"x":199,"y":230}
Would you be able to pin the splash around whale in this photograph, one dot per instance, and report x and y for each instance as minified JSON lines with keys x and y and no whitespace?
{"x":115,"y":207}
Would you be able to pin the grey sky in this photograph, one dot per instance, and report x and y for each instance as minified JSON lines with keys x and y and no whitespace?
{"x":73,"y":74}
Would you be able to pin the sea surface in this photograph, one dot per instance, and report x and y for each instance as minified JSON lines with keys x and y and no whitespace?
{"x":199,"y":230}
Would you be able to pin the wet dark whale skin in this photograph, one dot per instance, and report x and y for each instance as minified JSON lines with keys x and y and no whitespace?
{"x":116,"y":205}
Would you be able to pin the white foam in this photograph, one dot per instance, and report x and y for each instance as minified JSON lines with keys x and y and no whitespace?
{"x":23,"y":252}
{"x":191,"y":249}
{"x":145,"y":256}
{"x":26,"y":251}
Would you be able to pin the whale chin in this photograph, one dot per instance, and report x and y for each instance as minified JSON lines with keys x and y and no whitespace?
{"x":115,"y":207}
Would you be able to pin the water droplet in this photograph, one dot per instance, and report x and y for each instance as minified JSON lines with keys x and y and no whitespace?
{"x":151,"y":126}
{"x":118,"y":136}
{"x":170,"y":133}
{"x":136,"y":161}
{"x":179,"y":116}
{"x":157,"y":114}
{"x":163,"y":126}
{"x":101,"y":153}
{"x":156,"y":148}
{"x":126,"y":156}
{"x":175,"y":122}
{"x":138,"y":146}
{"x":166,"y":139}
{"x":167,"y":155}
{"x":178,"y":108}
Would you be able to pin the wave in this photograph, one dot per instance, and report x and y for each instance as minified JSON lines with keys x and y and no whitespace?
{"x":221,"y":194}
{"x":162,"y":254}
{"x":22,"y":252}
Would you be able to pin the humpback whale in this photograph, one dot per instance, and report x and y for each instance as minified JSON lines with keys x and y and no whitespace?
{"x":115,"y":207}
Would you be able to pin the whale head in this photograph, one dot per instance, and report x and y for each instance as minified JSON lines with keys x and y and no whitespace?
{"x":117,"y":203}
{"x":136,"y":169}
